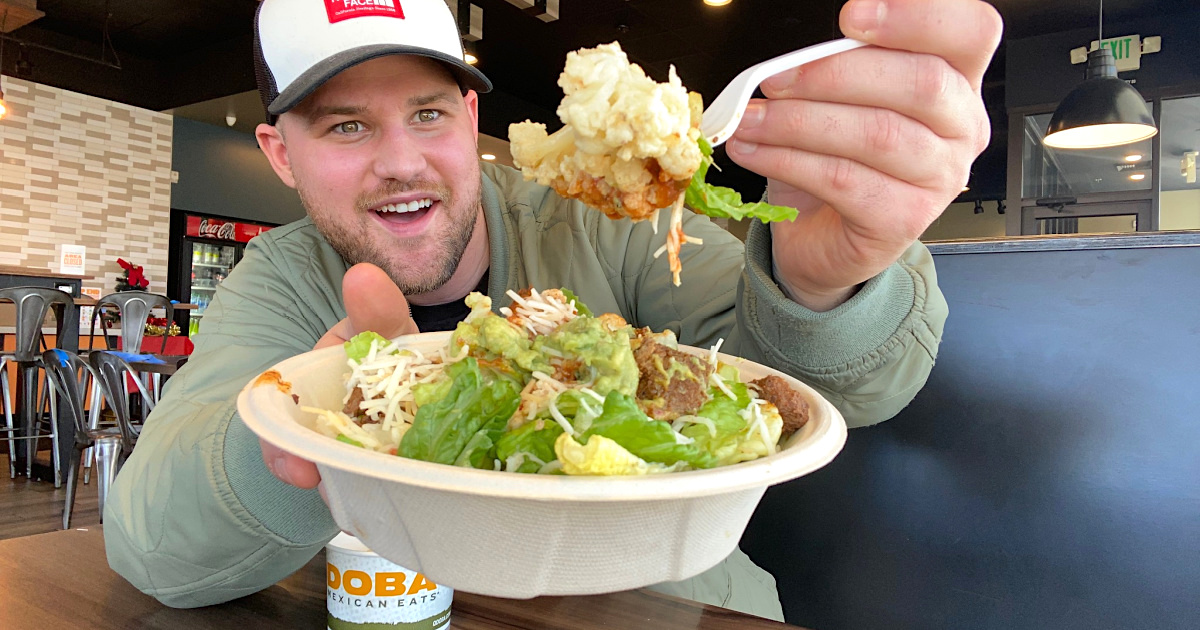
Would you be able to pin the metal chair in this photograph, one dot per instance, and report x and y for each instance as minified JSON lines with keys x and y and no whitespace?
{"x":32,"y":306}
{"x":110,"y":370}
{"x":70,"y":375}
{"x":134,"y":307}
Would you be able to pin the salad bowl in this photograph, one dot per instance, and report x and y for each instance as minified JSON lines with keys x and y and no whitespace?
{"x":515,"y":535}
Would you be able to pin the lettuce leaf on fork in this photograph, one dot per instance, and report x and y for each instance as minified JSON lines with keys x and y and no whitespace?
{"x":721,"y":202}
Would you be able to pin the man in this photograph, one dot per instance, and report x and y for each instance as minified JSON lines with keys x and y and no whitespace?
{"x":374,"y":122}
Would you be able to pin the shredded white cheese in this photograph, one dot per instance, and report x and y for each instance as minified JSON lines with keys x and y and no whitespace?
{"x":681,"y":421}
{"x":718,"y":382}
{"x":561,"y":419}
{"x":542,"y":312}
{"x":712,"y":353}
{"x":385,"y":377}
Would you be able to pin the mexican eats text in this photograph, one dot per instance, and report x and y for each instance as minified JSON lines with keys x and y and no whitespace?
{"x":546,"y":387}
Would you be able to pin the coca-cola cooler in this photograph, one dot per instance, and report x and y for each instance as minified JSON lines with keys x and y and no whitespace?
{"x":204,"y":249}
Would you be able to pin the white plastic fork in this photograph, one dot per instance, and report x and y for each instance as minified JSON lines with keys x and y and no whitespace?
{"x":724,"y":114}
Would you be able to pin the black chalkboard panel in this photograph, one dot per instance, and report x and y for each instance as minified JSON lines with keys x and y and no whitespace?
{"x":1048,"y":476}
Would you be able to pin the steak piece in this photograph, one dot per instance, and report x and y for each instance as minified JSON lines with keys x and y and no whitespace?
{"x":791,"y":405}
{"x":671,"y":383}
{"x":353,"y":408}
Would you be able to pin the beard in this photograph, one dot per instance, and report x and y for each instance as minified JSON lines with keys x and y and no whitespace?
{"x":358,"y":240}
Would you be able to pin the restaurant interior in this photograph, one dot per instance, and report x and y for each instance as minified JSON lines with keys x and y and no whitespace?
{"x":1046,"y":476}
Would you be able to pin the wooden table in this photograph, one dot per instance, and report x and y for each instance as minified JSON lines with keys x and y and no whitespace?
{"x":14,"y":276}
{"x":62,"y":580}
{"x":39,"y":272}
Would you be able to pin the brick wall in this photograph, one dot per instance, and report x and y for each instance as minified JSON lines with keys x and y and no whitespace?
{"x":78,"y":169}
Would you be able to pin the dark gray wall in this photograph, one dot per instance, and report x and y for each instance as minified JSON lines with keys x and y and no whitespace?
{"x":1039,"y":69}
{"x":223,"y":172}
{"x":1047,"y":477}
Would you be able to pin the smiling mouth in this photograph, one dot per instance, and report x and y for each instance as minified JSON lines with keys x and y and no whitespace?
{"x":401,"y":213}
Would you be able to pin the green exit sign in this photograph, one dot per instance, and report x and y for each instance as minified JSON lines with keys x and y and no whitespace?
{"x":1127,"y":50}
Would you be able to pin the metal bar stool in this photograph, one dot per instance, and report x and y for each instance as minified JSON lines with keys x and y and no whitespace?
{"x":134,"y":307}
{"x":110,"y":370}
{"x":32,"y":306}
{"x":71,"y":375}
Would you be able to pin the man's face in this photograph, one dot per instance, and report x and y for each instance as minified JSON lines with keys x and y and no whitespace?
{"x":383,"y":156}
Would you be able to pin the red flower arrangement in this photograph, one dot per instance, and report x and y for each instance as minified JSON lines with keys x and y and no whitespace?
{"x":134,"y":278}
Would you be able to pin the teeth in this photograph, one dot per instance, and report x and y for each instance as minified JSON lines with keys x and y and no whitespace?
{"x":411,"y":206}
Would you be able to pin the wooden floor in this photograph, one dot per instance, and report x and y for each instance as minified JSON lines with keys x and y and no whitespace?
{"x":36,"y":507}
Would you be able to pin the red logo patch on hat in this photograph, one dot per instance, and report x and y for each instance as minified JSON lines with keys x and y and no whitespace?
{"x":339,"y":10}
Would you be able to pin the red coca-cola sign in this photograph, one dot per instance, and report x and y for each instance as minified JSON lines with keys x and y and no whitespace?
{"x":207,"y":227}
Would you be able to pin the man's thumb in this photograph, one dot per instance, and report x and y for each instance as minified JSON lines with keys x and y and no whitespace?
{"x":375,"y":303}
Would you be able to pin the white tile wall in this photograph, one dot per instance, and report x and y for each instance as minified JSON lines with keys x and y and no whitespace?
{"x":83,"y":170}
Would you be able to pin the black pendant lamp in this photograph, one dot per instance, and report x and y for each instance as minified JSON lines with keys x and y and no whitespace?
{"x":1103,"y":111}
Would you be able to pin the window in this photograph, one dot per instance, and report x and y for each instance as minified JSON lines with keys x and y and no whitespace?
{"x":1179,"y":200}
{"x":1048,"y":173}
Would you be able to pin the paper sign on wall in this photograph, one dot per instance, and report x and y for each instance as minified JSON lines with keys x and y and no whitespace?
{"x":85,"y":312}
{"x":71,"y":259}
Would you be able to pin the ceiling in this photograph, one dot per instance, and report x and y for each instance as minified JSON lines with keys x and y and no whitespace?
{"x":172,"y":55}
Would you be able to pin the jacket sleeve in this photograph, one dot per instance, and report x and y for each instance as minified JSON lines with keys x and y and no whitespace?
{"x":194,"y":517}
{"x":869,"y":357}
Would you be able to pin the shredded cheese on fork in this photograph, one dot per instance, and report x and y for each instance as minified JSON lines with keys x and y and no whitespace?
{"x":675,"y":240}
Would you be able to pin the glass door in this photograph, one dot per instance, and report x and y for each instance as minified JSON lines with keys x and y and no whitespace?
{"x":211,"y":263}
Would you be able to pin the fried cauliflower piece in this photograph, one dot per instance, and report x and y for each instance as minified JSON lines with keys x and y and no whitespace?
{"x":629,"y":145}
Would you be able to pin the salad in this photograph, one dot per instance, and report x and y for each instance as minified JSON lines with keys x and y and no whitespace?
{"x":547,"y":387}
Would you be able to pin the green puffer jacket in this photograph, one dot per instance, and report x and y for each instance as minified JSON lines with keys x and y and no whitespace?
{"x":194,"y":517}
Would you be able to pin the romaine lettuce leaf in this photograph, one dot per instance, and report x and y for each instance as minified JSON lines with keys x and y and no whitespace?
{"x":652,"y":440}
{"x":359,"y":345}
{"x":480,"y":451}
{"x":579,"y":305}
{"x":433,"y":391}
{"x":734,"y":440}
{"x":530,"y":445}
{"x":602,"y":456}
{"x":350,"y":441}
{"x":721,"y":202}
{"x":727,"y":422}
{"x":441,"y":430}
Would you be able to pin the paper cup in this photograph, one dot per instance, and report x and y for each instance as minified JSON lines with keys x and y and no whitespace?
{"x":367,"y":592}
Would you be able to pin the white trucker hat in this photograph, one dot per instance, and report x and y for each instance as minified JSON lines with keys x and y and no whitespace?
{"x":300,"y":44}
